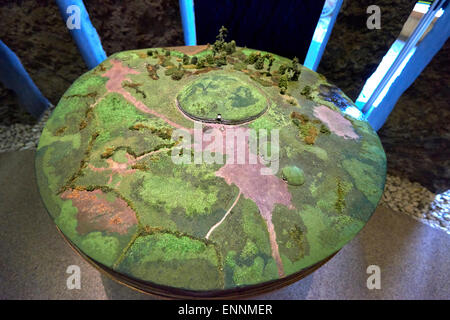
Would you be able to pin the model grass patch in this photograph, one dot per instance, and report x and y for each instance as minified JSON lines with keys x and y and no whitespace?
{"x":230,"y":97}
{"x":172,"y":260}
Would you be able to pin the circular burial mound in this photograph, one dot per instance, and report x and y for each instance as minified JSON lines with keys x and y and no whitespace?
{"x":126,"y":179}
{"x":223,"y":99}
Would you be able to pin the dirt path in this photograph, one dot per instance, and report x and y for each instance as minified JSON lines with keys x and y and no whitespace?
{"x":264,"y":190}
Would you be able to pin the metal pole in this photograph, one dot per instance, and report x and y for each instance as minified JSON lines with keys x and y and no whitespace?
{"x":14,"y":76}
{"x":412,"y":41}
{"x":311,"y":61}
{"x":85,"y":37}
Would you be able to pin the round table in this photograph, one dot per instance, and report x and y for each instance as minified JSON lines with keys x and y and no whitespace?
{"x":207,"y":171}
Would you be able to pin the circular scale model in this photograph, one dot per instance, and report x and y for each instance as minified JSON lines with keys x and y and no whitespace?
{"x":150,"y":168}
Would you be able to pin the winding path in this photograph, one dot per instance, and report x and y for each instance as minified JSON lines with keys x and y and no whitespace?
{"x":224,"y":217}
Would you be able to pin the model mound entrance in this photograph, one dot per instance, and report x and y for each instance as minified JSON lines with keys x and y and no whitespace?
{"x":222,"y":99}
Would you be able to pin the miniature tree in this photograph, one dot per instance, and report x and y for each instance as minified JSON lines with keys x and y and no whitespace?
{"x":210,"y":59}
{"x":223,"y":32}
{"x":282,"y":69}
{"x":294,"y":63}
{"x":167,"y":53}
{"x":271,"y":61}
{"x":259,"y":65}
{"x":253,"y":57}
{"x":194,"y":60}
{"x":283,"y":84}
{"x":306,"y":91}
{"x":219,"y":44}
{"x":185,"y":59}
{"x":230,"y":47}
{"x":201,"y":63}
{"x":295,"y":69}
{"x":178,"y":73}
{"x":295,"y":75}
{"x":233,"y":46}
{"x":221,"y":60}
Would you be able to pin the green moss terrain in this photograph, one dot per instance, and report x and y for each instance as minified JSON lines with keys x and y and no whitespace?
{"x":204,"y":99}
{"x":107,"y":178}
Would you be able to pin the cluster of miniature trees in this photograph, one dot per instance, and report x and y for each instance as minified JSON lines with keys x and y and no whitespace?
{"x":178,"y":73}
{"x":221,"y":49}
{"x":287,"y":72}
{"x":257,"y":59}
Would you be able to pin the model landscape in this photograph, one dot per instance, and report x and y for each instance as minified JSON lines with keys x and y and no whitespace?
{"x":107,"y":178}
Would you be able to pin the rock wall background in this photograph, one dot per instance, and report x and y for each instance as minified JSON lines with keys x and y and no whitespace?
{"x":416,"y":135}
{"x":134,"y":24}
{"x":35,"y":31}
{"x":353,"y":51}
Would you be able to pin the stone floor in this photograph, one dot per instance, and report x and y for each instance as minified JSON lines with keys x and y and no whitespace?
{"x":412,"y":256}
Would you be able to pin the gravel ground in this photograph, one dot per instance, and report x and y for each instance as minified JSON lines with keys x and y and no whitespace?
{"x":400,"y":194}
{"x":22,"y":136}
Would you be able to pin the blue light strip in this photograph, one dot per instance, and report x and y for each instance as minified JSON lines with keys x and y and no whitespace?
{"x":425,"y":51}
{"x":373,"y":81}
{"x":86,"y":37}
{"x":320,"y":37}
{"x":14,"y":76}
{"x":188,"y":22}
{"x":413,"y":39}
